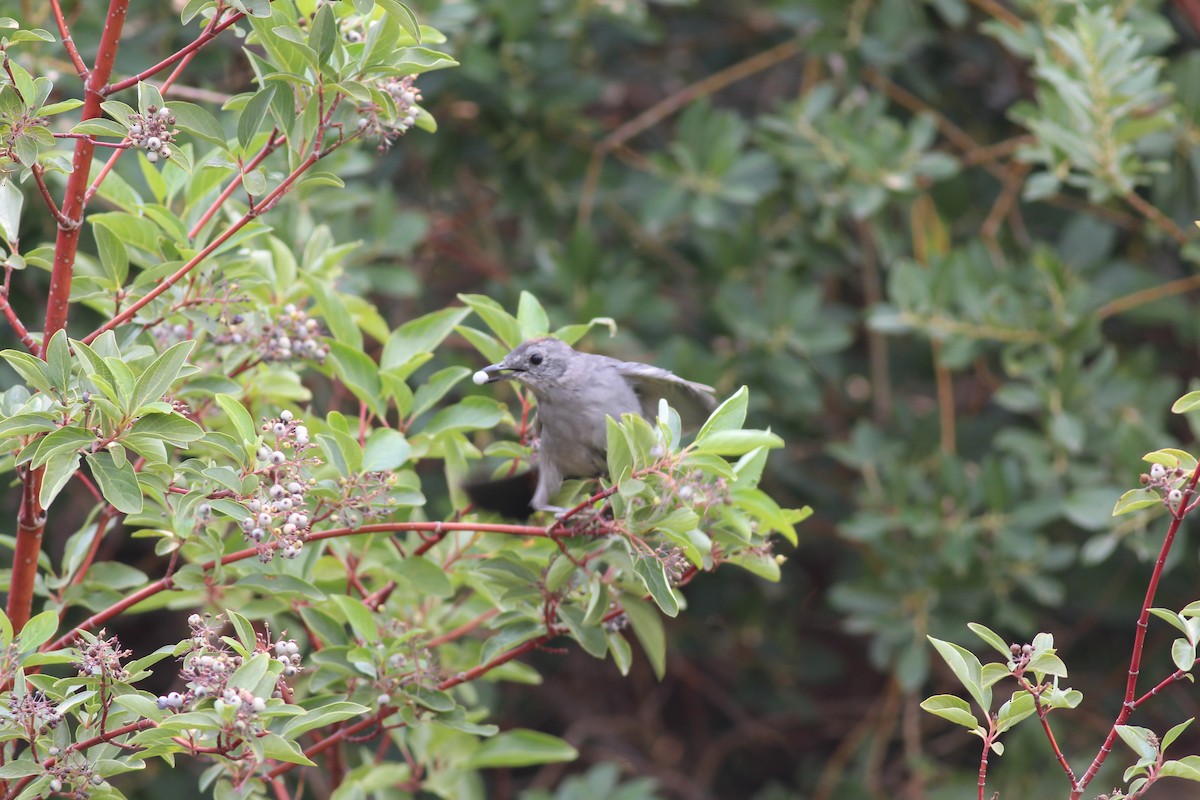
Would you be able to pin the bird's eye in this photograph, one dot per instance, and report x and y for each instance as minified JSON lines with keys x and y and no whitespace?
{"x":535,"y":358}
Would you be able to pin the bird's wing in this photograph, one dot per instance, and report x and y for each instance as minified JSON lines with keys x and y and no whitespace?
{"x":693,"y":401}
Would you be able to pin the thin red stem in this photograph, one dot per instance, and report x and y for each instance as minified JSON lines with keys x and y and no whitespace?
{"x":39,"y":179}
{"x":68,"y":43}
{"x":1139,"y":641}
{"x":163,"y":584}
{"x":273,"y":143}
{"x":200,"y":41}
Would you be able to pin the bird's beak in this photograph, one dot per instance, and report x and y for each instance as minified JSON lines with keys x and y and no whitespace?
{"x":494,"y":373}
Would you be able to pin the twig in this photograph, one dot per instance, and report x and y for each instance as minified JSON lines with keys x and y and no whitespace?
{"x":164,"y":584}
{"x":668,"y":106}
{"x":62,"y":219}
{"x":1143,"y":296}
{"x":1153,"y":214}
{"x":68,"y":43}
{"x":1139,"y":641}
{"x":209,"y":33}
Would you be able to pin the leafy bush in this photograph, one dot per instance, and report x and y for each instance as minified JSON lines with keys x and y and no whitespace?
{"x":275,"y":440}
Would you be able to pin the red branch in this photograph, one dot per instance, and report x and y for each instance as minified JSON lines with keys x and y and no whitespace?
{"x":31,"y":518}
{"x":81,"y":166}
{"x":210,"y":33}
{"x":256,"y":210}
{"x":1139,"y":640}
{"x":164,"y":584}
{"x":68,"y":43}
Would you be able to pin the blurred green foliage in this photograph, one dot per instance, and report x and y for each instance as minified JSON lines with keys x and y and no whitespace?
{"x":948,"y":244}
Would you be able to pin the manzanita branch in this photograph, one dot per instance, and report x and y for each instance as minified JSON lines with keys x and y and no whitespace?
{"x":31,"y":517}
{"x":68,"y":43}
{"x":40,"y":181}
{"x":164,"y":584}
{"x":10,"y":314}
{"x":1139,"y":640}
{"x":210,"y":32}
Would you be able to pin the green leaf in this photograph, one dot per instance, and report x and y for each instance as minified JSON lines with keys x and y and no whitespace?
{"x":1047,"y":662}
{"x":503,"y":324}
{"x":1183,"y":653}
{"x":619,"y":455}
{"x":648,"y":628}
{"x":420,"y":335}
{"x":28,"y":423}
{"x":521,"y":748}
{"x":1187,"y":403}
{"x":197,"y":121}
{"x":532,"y":317}
{"x":63,"y":441}
{"x":148,"y":95}
{"x":403,"y":16}
{"x":654,"y":577}
{"x":173,"y":428}
{"x":1136,"y":499}
{"x":1187,"y":768}
{"x":359,"y":373}
{"x":362,"y":621}
{"x":590,"y":637}
{"x":118,"y":484}
{"x":253,"y":115}
{"x":58,"y":361}
{"x":952,"y":708}
{"x":471,"y":413}
{"x":159,"y":376}
{"x":37,"y":631}
{"x":425,"y":576}
{"x":509,"y":636}
{"x":59,"y":469}
{"x":251,"y":673}
{"x":991,"y":637}
{"x":736,"y":442}
{"x":21,"y":769}
{"x":29,"y":367}
{"x":246,"y":430}
{"x":1173,"y":734}
{"x":100,"y":127}
{"x":729,"y":416}
{"x":321,"y":716}
{"x":439,"y":384}
{"x":114,"y":258}
{"x":386,"y":450}
{"x":58,"y":108}
{"x":243,"y":628}
{"x":1139,"y":740}
{"x":1018,"y":708}
{"x":280,"y":749}
{"x":967,"y":669}
{"x":323,"y":34}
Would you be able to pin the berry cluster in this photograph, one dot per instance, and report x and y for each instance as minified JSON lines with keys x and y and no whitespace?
{"x":99,"y":657}
{"x":208,"y":666}
{"x":374,"y":121}
{"x":72,"y":771}
{"x":152,"y":132}
{"x":1170,"y":481}
{"x":279,"y":518}
{"x":287,"y":652}
{"x":292,"y":334}
{"x":701,"y":494}
{"x":674,"y":562}
{"x":363,"y":497}
{"x":33,"y":712}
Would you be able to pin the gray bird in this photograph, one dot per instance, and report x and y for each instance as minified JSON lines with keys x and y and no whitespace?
{"x":575,"y":393}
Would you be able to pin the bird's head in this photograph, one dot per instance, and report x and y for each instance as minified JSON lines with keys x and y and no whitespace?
{"x":537,"y":363}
